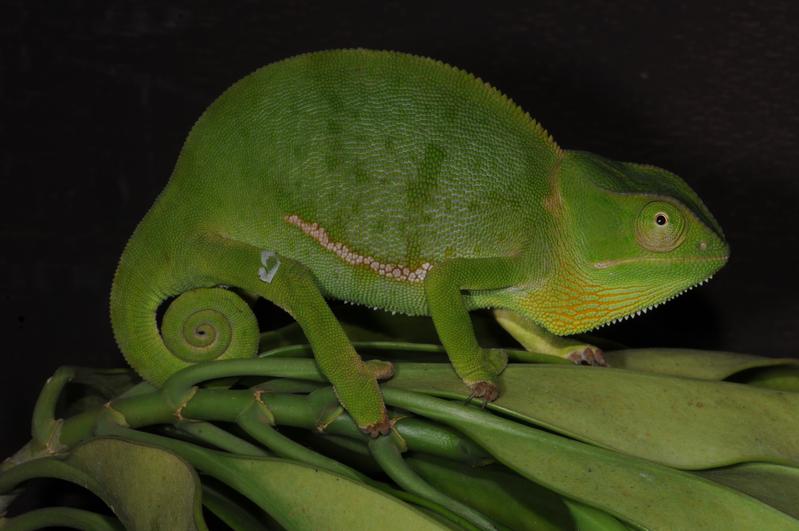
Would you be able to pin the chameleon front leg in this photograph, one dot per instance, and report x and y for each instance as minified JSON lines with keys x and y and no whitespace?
{"x":535,"y":338}
{"x":290,"y":285}
{"x":475,"y":365}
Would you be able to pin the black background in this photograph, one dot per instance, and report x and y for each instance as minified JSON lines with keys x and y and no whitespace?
{"x":97,"y":97}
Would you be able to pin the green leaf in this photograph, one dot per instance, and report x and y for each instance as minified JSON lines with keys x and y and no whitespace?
{"x":779,"y":378}
{"x":690,"y":363}
{"x":775,"y":485}
{"x":147,"y":487}
{"x":497,"y":492}
{"x":591,"y":519}
{"x":386,"y":451}
{"x":47,"y":467}
{"x":303,"y":497}
{"x":635,"y":490}
{"x":685,"y":423}
{"x":297,"y":496}
{"x":227,"y":510}
{"x":61,"y":518}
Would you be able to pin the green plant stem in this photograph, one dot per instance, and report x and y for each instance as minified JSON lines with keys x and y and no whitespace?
{"x":44,"y":422}
{"x":178,"y":388}
{"x":288,"y":386}
{"x":229,"y":511}
{"x":294,"y":351}
{"x":44,"y":468}
{"x":426,"y":437}
{"x":387,"y":454}
{"x":224,"y":440}
{"x":397,"y":345}
{"x":252,"y":422}
{"x":187,"y":402}
{"x":296,"y":411}
{"x":61,"y":517}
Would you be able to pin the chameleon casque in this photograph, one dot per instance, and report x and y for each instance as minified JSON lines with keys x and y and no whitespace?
{"x":402,"y":183}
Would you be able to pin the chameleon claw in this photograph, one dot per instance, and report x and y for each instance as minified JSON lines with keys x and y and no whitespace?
{"x":381,"y":427}
{"x":469,"y":399}
{"x":486,"y":390}
{"x":589,"y":355}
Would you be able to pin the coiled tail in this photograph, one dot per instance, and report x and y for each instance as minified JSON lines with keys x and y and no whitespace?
{"x":201,"y":323}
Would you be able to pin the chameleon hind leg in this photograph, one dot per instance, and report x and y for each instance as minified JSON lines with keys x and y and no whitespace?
{"x":476,"y":366}
{"x":290,"y":285}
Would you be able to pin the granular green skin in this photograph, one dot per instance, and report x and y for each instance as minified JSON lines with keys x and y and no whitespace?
{"x":400,"y":183}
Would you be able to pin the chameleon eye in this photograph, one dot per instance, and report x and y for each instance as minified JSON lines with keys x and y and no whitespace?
{"x":660,"y":226}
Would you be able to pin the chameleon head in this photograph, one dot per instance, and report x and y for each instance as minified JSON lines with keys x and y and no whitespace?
{"x":630,"y":238}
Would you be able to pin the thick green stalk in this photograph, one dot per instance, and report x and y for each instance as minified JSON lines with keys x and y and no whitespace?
{"x":257,"y":423}
{"x":44,"y":424}
{"x":61,"y":517}
{"x":387,"y":453}
{"x":227,"y":510}
{"x":224,"y":440}
{"x":149,"y":408}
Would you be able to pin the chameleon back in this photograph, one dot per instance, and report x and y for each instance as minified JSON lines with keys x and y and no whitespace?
{"x":402,"y":160}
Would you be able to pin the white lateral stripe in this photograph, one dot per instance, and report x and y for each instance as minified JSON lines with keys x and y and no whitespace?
{"x":394,"y":271}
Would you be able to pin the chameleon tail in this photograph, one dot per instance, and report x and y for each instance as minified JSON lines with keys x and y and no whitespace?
{"x":200,"y":323}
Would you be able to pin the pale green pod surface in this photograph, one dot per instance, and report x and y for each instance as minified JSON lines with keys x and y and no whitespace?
{"x":232,"y":513}
{"x":301,"y":497}
{"x":775,"y":485}
{"x":778,"y":378}
{"x":681,"y":422}
{"x":497,"y":492}
{"x":591,"y":519}
{"x":60,"y":518}
{"x":634,"y":490}
{"x":691,"y":363}
{"x":146,"y":487}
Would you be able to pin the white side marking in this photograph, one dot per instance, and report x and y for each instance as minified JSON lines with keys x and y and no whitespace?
{"x":394,"y":271}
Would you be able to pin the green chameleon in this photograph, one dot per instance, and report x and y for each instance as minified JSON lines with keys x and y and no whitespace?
{"x":402,"y":183}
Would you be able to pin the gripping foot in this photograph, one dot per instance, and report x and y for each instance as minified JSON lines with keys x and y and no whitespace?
{"x":588,"y":355}
{"x":485,"y":390}
{"x":382,"y":427}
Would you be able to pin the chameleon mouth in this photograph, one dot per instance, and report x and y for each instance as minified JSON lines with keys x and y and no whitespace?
{"x":646,"y":308}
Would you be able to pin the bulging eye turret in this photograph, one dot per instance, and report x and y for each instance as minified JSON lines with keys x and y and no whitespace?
{"x":660,"y":226}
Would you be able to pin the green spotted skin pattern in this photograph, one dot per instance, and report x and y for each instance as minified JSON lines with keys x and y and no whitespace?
{"x":400,"y":183}
{"x":388,"y":153}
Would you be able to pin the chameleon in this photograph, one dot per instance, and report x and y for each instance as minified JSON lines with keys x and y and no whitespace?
{"x":401,"y":183}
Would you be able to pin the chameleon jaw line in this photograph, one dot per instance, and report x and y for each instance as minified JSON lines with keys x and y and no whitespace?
{"x":605,"y":264}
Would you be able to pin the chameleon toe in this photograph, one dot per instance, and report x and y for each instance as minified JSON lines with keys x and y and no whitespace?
{"x":591,"y":356}
{"x":488,"y":391}
{"x":382,"y":427}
